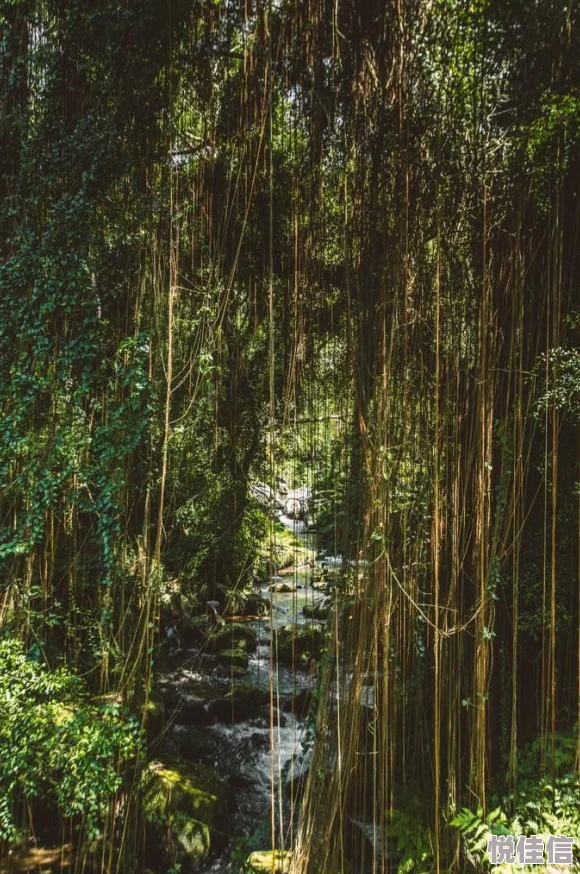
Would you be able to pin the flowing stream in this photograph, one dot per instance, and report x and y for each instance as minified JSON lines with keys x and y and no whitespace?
{"x":261,"y":754}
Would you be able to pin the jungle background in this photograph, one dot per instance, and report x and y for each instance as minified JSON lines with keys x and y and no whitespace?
{"x":247,"y":248}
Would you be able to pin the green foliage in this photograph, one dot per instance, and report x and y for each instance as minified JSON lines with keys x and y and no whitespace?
{"x":55,"y":744}
{"x":476,"y":832}
{"x":551,"y":139}
{"x":563,"y":390}
{"x":544,"y":804}
{"x":412,"y":840}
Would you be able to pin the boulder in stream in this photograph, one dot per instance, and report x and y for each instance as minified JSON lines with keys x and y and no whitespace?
{"x":195,"y":744}
{"x":282,"y":587}
{"x":257,"y":606}
{"x":235,"y":635}
{"x":293,"y":644}
{"x":242,"y":703}
{"x":300,"y":704}
{"x":185,"y":810}
{"x":233,"y":658}
{"x":234,"y":602}
{"x":268,"y":862}
{"x":191,"y":711}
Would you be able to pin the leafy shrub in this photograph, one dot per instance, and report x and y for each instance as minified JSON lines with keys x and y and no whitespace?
{"x":545,"y":804}
{"x":411,"y":838}
{"x":55,"y":744}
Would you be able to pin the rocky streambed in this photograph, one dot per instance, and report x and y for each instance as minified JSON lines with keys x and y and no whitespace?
{"x":247,"y":729}
{"x":233,"y":737}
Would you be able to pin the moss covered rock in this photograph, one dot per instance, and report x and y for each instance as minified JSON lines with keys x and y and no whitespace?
{"x":282,"y":587}
{"x":237,"y":658}
{"x":191,"y":711}
{"x":234,"y":636}
{"x":233,"y":602}
{"x":296,"y":644}
{"x":185,"y":808}
{"x":242,"y":702}
{"x":268,"y":862}
{"x":257,"y":606}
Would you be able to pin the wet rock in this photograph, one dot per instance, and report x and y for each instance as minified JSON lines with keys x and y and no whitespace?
{"x":169,"y":695}
{"x":293,"y":642}
{"x":257,"y":606}
{"x":282,"y":587}
{"x":263,"y":493}
{"x":233,"y":636}
{"x":268,"y":862}
{"x":318,"y":610}
{"x":280,"y":719}
{"x":191,"y":711}
{"x":235,"y":658}
{"x":186,"y":609}
{"x":296,"y":502}
{"x":259,"y":740}
{"x":185,"y":810}
{"x":239,"y":781}
{"x":196,"y":745}
{"x":300,"y":704}
{"x":264,"y":717}
{"x":232,"y":672}
{"x":234,"y":602}
{"x":294,"y":508}
{"x":267,"y":496}
{"x":241,"y":704}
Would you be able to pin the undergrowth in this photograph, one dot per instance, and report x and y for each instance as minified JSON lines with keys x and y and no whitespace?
{"x":547,"y":803}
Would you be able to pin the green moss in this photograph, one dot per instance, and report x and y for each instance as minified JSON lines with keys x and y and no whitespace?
{"x":184,"y":805}
{"x":249,"y":695}
{"x":268,"y":862}
{"x":237,"y":658}
{"x":292,"y":642}
{"x":235,"y":635}
{"x":192,"y":837}
{"x":191,"y":788}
